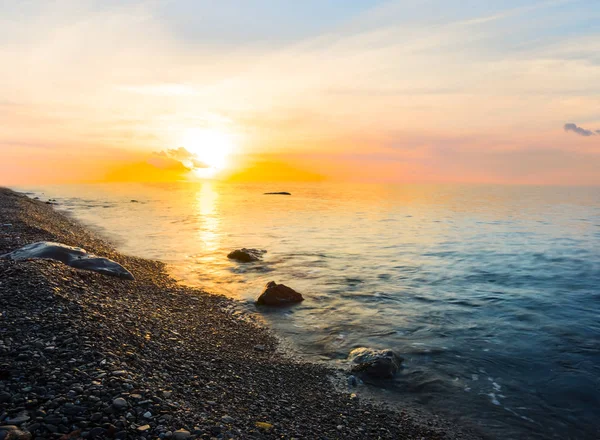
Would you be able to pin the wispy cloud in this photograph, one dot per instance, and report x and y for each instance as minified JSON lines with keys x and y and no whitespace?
{"x":179,"y":156}
{"x":580,"y":130}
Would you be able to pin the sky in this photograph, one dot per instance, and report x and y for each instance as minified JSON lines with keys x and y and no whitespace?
{"x":359,"y":90}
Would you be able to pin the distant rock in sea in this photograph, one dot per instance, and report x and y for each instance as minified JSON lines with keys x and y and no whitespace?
{"x":281,"y":193}
{"x":71,"y":256}
{"x":380,"y":364}
{"x":246,"y":255}
{"x":278,"y":295}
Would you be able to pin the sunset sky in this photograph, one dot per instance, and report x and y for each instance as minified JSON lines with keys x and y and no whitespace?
{"x":395,"y":91}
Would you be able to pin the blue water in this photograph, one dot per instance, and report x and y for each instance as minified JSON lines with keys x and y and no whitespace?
{"x":490,"y":293}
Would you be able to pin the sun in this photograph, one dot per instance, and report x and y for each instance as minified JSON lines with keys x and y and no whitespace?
{"x":211,"y":148}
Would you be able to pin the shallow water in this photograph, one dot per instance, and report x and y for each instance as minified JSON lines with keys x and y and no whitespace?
{"x":490,"y":293}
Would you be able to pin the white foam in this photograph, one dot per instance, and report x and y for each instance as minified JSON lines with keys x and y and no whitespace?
{"x":474,"y":376}
{"x":493,"y":399}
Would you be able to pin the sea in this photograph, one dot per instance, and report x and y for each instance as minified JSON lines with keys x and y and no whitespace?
{"x":491,"y":294}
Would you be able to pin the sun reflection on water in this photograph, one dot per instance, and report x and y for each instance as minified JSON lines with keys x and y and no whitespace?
{"x":207,"y":216}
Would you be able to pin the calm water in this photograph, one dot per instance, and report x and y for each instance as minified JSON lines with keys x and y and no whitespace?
{"x":492,"y":294}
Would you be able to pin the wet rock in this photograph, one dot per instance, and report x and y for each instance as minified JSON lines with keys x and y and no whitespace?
{"x":11,"y":432}
{"x":278,"y":295}
{"x":381,"y":364}
{"x":279,"y":193}
{"x":71,"y":256}
{"x":246,"y":255}
{"x":5,"y":397}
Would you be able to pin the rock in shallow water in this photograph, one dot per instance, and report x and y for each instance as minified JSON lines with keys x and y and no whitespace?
{"x":278,"y":295}
{"x":246,"y":255}
{"x":71,"y":256}
{"x":381,"y":364}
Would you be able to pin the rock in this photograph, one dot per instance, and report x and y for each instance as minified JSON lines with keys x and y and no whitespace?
{"x":11,"y":432}
{"x":97,"y":432}
{"x":143,"y":428}
{"x":119,"y":403}
{"x":264,"y":426}
{"x":147,"y":415}
{"x":278,"y":295}
{"x":20,"y":419}
{"x":280,"y":193}
{"x":181,"y":434}
{"x":352,"y":381}
{"x":71,"y":256}
{"x":380,"y":364}
{"x":259,"y":347}
{"x":5,"y":397}
{"x":227,"y":419}
{"x":246,"y":255}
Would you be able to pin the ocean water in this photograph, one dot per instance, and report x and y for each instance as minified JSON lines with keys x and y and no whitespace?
{"x":490,"y":293}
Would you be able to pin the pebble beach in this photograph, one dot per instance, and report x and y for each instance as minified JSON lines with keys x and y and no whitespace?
{"x":85,"y":355}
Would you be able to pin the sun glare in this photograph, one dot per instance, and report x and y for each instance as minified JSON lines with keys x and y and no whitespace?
{"x":210,"y":146}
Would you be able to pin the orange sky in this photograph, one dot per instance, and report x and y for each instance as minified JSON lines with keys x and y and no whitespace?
{"x":379,"y":91}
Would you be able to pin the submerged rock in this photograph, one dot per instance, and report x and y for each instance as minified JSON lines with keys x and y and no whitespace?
{"x":381,"y":364}
{"x":246,"y":255}
{"x":71,"y":256}
{"x":280,"y":193}
{"x":278,"y":295}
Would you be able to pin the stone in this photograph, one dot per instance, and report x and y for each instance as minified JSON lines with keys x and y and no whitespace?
{"x":278,"y":295}
{"x":181,"y":434}
{"x":246,"y":255}
{"x":380,"y":364}
{"x":352,"y":381}
{"x":5,"y":397}
{"x":227,"y":419}
{"x":143,"y":428}
{"x":20,"y":419}
{"x":97,"y":432}
{"x":11,"y":432}
{"x":264,"y":426}
{"x":71,"y":256}
{"x":119,"y":403}
{"x":147,"y":415}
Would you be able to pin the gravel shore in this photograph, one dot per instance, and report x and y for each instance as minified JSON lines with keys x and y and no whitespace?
{"x":84,"y":355}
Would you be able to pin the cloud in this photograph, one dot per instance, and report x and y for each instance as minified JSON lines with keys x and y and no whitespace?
{"x":181,"y":156}
{"x":580,"y":130}
{"x":163,"y":162}
{"x":179,"y":153}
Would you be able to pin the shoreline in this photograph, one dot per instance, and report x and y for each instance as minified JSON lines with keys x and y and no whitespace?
{"x":72,"y":343}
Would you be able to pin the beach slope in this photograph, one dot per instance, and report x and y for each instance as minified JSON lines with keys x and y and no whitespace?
{"x":84,"y":355}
